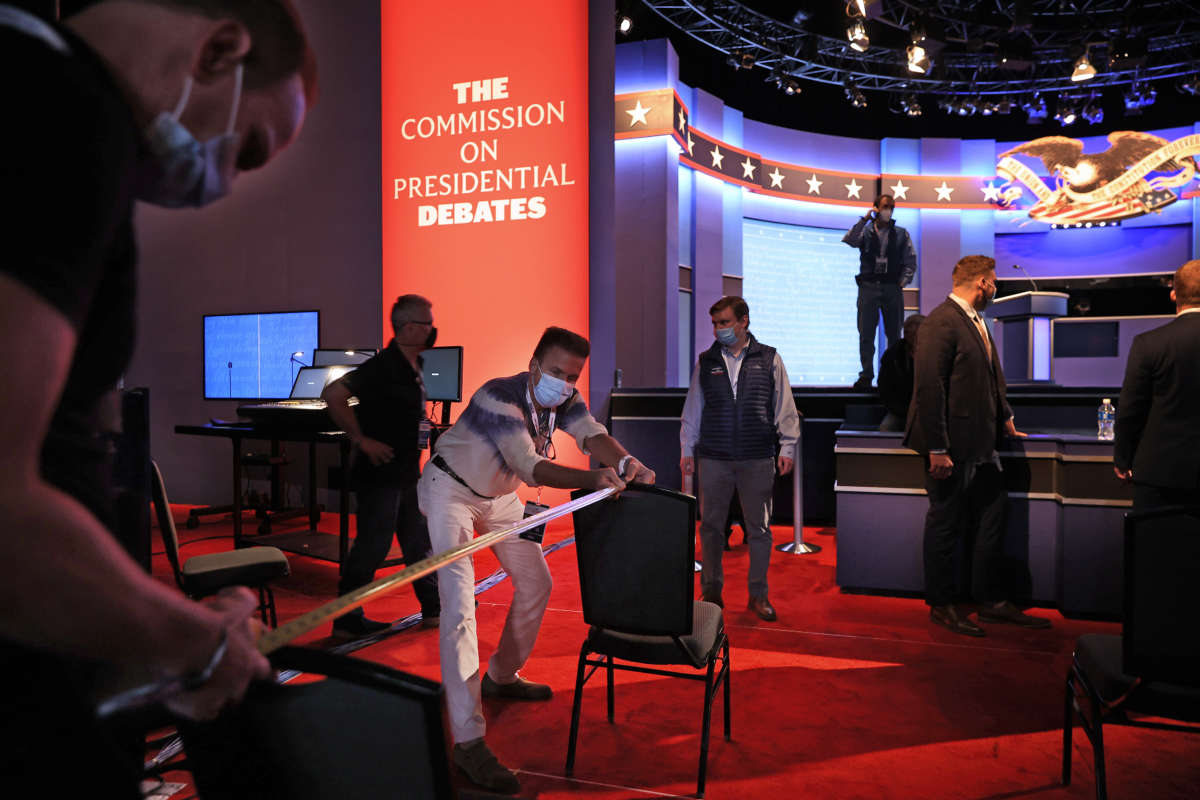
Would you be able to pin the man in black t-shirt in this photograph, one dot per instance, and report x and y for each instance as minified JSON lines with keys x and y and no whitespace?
{"x":389,"y":429}
{"x":162,"y":100}
{"x":896,"y":376}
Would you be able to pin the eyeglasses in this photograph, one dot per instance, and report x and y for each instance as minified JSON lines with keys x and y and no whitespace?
{"x":420,"y":322}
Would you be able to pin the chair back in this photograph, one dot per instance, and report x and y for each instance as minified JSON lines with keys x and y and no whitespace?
{"x":166,"y":523}
{"x":636,"y":559}
{"x":1161,"y":636}
{"x":365,"y":730}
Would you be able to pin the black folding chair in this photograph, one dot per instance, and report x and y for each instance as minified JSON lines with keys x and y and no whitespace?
{"x":366,"y":730}
{"x":636,"y":556}
{"x":1152,"y":668}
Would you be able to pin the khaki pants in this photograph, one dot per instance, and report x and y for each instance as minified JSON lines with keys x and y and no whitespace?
{"x":455,"y":513}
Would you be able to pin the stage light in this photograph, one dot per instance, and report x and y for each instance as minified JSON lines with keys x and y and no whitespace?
{"x":1036,"y":110}
{"x":918,"y":60}
{"x":910,"y":106}
{"x":624,"y":23}
{"x":945,"y":104}
{"x":1066,"y":115}
{"x":739,"y":59}
{"x":964,"y":107}
{"x":1138,"y":97}
{"x":1093,"y":114}
{"x":791,"y":87}
{"x":1083,"y":71}
{"x":856,"y":33}
{"x":1004,"y":106}
{"x":1190,"y":85}
{"x":987,"y":108}
{"x":857,"y":5}
{"x":855,"y":96}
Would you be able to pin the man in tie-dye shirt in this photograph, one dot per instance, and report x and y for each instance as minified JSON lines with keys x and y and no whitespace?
{"x":503,"y":439}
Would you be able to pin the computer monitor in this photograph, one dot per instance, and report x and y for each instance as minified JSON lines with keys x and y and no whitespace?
{"x":250,"y":356}
{"x":442,"y":373}
{"x":311,"y":381}
{"x":327,"y":356}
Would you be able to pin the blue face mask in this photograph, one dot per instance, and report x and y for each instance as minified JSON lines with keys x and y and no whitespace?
{"x":182,"y":171}
{"x":726,"y":336}
{"x":551,"y":392}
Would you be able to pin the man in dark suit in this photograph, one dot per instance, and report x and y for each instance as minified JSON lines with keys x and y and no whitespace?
{"x":1158,"y":417}
{"x":957,"y":417}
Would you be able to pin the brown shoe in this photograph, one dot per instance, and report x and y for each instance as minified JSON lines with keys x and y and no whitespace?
{"x":762,"y":606}
{"x":713,"y":597}
{"x":1009,"y":613}
{"x":949,"y":618}
{"x":520,"y":689}
{"x":482,"y":767}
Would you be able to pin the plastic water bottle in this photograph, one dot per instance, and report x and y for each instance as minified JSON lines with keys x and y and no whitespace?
{"x":1105,"y":417}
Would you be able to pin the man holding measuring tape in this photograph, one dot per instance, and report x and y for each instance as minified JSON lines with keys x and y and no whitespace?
{"x":503,"y":439}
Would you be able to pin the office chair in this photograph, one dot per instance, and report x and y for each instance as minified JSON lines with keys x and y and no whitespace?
{"x":636,"y":556}
{"x":1153,"y":667}
{"x":363,"y":730}
{"x":201,"y":576}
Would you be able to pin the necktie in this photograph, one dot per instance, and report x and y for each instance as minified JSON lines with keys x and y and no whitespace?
{"x":987,"y":344}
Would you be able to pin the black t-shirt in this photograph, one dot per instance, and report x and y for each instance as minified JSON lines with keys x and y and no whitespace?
{"x":391,"y":405}
{"x":68,"y":149}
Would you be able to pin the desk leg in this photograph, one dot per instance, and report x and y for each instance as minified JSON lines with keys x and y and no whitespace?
{"x":314,"y":514}
{"x":344,"y":505}
{"x":236,"y":442}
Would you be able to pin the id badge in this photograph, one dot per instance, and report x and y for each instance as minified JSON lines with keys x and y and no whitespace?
{"x":423,"y":431}
{"x":534,"y":534}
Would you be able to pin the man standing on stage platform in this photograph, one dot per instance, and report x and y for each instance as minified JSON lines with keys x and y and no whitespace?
{"x":163,"y":101}
{"x":887,"y":262}
{"x":958,"y":415}
{"x":502,"y":439}
{"x":1157,"y":442}
{"x":738,"y":404}
{"x":389,"y":430}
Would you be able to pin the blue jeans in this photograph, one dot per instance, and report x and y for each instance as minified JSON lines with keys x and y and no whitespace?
{"x":383,"y":510}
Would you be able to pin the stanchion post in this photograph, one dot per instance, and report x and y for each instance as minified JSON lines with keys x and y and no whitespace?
{"x":689,"y":487}
{"x":798,"y":547}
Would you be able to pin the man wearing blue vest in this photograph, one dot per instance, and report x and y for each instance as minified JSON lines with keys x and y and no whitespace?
{"x":887,"y":261}
{"x":738,"y":406}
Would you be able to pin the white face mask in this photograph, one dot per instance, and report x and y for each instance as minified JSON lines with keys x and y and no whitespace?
{"x":182,"y":171}
{"x":884,"y":214}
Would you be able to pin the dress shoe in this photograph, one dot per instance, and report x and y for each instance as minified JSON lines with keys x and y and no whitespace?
{"x":949,"y":618}
{"x":1009,"y":613}
{"x":356,"y":626}
{"x":713,"y":597}
{"x":520,"y":689}
{"x":480,"y":764}
{"x":762,"y":606}
{"x":862,"y":385}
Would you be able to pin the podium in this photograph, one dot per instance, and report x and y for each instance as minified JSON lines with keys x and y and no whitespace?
{"x":1025,"y":339}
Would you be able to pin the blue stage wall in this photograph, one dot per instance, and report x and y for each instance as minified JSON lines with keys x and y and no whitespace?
{"x":669,"y":216}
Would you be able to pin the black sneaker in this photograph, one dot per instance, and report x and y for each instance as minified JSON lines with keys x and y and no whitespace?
{"x":483,"y":768}
{"x":356,"y":626}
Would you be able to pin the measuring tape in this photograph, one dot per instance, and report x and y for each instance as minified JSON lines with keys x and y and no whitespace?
{"x":272,"y":640}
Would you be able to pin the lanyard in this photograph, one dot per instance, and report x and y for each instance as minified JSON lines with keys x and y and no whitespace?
{"x":535,"y":424}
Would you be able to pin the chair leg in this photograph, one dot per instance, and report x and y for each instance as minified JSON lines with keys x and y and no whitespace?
{"x":266,"y":606}
{"x":575,"y":709}
{"x":708,"y":698}
{"x":1098,"y":753}
{"x":1068,"y":725}
{"x":611,"y":690}
{"x":728,"y":670}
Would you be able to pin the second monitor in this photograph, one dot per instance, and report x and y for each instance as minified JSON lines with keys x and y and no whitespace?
{"x":442,"y":373}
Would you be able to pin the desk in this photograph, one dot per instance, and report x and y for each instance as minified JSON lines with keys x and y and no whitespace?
{"x":311,"y":542}
{"x":1066,"y":507}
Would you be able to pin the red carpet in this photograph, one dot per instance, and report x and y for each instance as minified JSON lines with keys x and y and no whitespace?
{"x":847,"y":696}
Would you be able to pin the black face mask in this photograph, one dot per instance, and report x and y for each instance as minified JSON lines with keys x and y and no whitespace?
{"x":431,"y":338}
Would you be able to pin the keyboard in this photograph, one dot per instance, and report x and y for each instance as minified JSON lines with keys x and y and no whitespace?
{"x":309,"y":415}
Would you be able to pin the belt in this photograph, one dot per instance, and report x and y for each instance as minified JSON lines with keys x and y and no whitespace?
{"x":441,"y":464}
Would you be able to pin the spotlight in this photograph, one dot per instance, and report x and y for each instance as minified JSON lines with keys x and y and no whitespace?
{"x":855,"y":96}
{"x":791,"y":87}
{"x":1004,"y":105}
{"x":624,"y":23}
{"x":1190,"y":85}
{"x":987,"y":108}
{"x":861,"y":5}
{"x":918,"y":61}
{"x":1093,"y":114}
{"x":1035,"y":109}
{"x":910,"y":106}
{"x":739,"y":59}
{"x":1083,"y":71}
{"x":856,"y":34}
{"x":945,"y":104}
{"x":1066,"y":115}
{"x":1139,"y":97}
{"x":965,"y":107}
